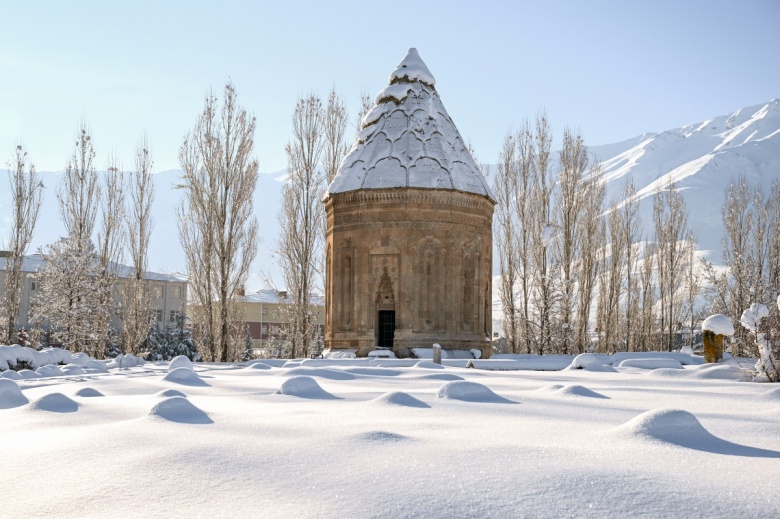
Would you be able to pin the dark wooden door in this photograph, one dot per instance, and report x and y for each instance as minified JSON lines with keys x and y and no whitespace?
{"x":386,"y":328}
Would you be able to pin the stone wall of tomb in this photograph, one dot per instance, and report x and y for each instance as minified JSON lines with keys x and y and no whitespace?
{"x":425,"y":254}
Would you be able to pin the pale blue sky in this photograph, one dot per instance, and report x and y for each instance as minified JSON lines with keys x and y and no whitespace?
{"x":613,"y":69}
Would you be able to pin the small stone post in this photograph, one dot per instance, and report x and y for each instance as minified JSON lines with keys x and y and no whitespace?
{"x":437,"y":353}
{"x":713,"y":329}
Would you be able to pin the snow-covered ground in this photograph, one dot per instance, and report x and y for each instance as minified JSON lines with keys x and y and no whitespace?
{"x":388,"y":438}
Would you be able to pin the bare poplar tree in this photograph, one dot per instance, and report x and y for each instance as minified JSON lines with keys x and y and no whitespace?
{"x":592,"y":239}
{"x":26,"y":190}
{"x":216,"y":225}
{"x":543,"y":236}
{"x":301,"y":240}
{"x":671,"y":230}
{"x":505,"y":188}
{"x":646,"y":298}
{"x":773,"y":233}
{"x":137,"y":301}
{"x":365,"y":107}
{"x":632,"y":230}
{"x":526,"y":181}
{"x":611,"y":282}
{"x":571,"y":191}
{"x":692,"y":284}
{"x":109,"y":246}
{"x":334,"y":123}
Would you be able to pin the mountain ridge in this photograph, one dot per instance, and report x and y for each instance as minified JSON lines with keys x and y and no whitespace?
{"x":701,"y":158}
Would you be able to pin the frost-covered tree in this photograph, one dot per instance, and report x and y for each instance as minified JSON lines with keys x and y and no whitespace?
{"x":69,"y":291}
{"x":72,"y":294}
{"x":766,"y":332}
{"x":216,"y":227}
{"x":751,"y":222}
{"x":300,"y":219}
{"x":26,"y":189}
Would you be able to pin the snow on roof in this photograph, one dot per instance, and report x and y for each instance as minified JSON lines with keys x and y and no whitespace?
{"x":409,"y":140}
{"x":274,"y":297}
{"x":35,"y":262}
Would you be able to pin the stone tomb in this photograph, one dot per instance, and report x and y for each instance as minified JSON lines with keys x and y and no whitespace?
{"x":409,"y":229}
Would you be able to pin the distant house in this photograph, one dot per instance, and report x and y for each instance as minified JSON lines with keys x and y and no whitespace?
{"x":168,"y":292}
{"x":265,"y":317}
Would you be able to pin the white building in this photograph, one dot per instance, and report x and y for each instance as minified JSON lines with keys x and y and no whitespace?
{"x":168,"y":292}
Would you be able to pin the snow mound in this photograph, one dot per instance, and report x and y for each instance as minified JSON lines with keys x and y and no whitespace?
{"x":723,"y":372}
{"x":656,"y":363}
{"x":590,"y":362}
{"x":11,"y":394}
{"x":72,"y":369}
{"x":88,"y":392}
{"x":667,"y":425}
{"x":427,"y":364}
{"x":49,"y":371}
{"x":551,"y":388}
{"x":257,"y":365}
{"x":80,"y":358}
{"x":681,"y":428}
{"x":374,"y":372}
{"x":10,"y":374}
{"x":669,"y":373}
{"x":381,"y":437}
{"x":95,"y":365}
{"x":332,"y":374}
{"x":718,"y":324}
{"x":438,"y":376}
{"x":180,"y":410}
{"x":180,"y":361}
{"x":303,"y":387}
{"x":577,"y":390}
{"x":399,"y":398}
{"x":126,"y":361}
{"x":470,"y":392}
{"x":165,"y":393}
{"x":773,"y":395}
{"x":55,"y":403}
{"x":184,"y":376}
{"x":26,"y":373}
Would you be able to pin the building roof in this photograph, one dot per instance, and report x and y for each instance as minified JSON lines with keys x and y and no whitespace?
{"x":35,"y":262}
{"x":409,"y":140}
{"x":274,"y":297}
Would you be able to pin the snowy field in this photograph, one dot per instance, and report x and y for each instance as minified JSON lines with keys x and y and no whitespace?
{"x":649,"y":437}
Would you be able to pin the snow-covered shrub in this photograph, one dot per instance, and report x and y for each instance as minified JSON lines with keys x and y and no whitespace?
{"x":17,"y":357}
{"x":754,"y":319}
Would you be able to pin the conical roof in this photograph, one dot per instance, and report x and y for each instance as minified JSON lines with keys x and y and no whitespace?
{"x":409,"y":140}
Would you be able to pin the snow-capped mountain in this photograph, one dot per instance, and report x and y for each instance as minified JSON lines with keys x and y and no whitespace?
{"x":701,"y":158}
